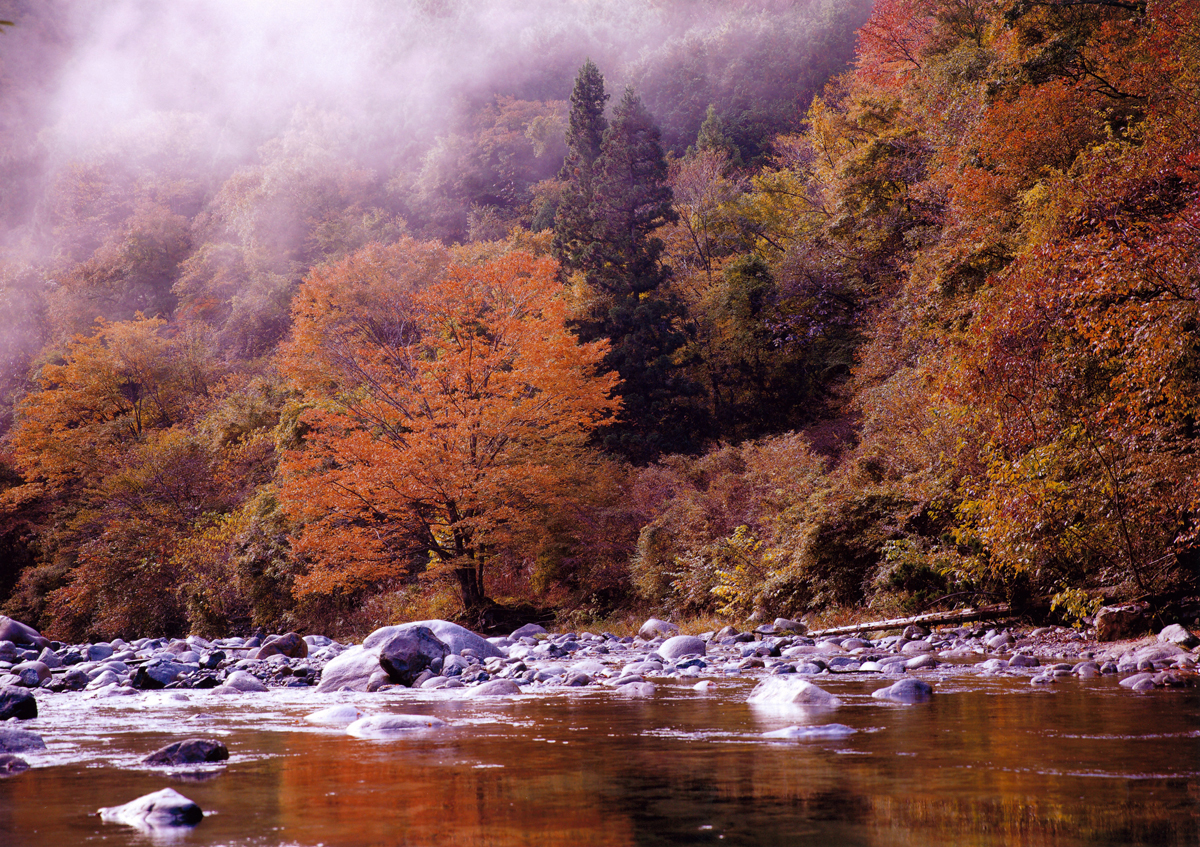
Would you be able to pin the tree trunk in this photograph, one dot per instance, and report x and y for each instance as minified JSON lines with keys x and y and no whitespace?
{"x":470,"y":582}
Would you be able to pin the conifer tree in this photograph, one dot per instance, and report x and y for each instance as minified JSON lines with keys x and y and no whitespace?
{"x":633,"y":200}
{"x":574,"y":225}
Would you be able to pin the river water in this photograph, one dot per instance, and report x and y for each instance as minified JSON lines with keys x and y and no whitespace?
{"x":987,"y":761}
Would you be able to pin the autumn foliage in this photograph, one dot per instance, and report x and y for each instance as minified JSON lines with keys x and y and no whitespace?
{"x":446,"y":407}
{"x":931,"y":339}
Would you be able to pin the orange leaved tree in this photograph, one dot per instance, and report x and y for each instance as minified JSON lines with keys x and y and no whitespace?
{"x":447,"y":403}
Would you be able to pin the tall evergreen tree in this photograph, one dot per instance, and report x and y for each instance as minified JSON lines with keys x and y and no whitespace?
{"x":575,"y":224}
{"x":632,"y":200}
{"x":633,"y":309}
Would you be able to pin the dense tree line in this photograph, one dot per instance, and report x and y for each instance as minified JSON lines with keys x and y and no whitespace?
{"x":746,"y":339}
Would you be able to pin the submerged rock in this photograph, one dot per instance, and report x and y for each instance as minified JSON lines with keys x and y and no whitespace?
{"x":383,"y":726}
{"x":809,"y":733}
{"x":192,"y":751}
{"x":637,"y":690}
{"x":343,"y":715}
{"x":19,"y":740}
{"x":11,"y":765}
{"x":162,"y":810}
{"x":905,"y":691}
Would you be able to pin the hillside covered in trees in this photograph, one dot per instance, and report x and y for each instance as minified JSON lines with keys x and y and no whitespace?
{"x":712,"y":308}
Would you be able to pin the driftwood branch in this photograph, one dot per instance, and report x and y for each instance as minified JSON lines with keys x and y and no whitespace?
{"x":998,"y":610}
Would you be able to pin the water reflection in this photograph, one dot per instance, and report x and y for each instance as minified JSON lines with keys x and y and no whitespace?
{"x":982,"y":763}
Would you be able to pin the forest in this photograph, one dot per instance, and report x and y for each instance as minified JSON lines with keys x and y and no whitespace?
{"x":713,"y":309}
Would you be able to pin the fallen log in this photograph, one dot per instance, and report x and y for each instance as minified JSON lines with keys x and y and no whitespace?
{"x":998,"y":610}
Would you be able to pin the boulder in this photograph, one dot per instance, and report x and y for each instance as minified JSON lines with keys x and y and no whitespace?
{"x":788,"y":625}
{"x":243,"y":681}
{"x":409,"y":652}
{"x":1114,"y":623}
{"x":905,"y":691}
{"x":18,"y":633}
{"x":384,"y":726}
{"x":19,"y":740}
{"x":653,"y":628}
{"x":350,"y":670}
{"x":290,"y":645}
{"x":811,"y":733}
{"x":162,"y":810}
{"x":157,"y":674}
{"x":11,"y":765}
{"x":18,"y":704}
{"x":530,"y":630}
{"x":637,"y":690}
{"x":455,"y":637}
{"x":788,"y":691}
{"x":98,"y":652}
{"x":679,"y":646}
{"x":192,"y":751}
{"x":1178,"y":634}
{"x":39,"y":668}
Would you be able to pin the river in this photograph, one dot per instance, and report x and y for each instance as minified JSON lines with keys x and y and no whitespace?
{"x":986,"y":761}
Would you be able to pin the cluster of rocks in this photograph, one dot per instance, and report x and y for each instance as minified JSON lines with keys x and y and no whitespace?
{"x":441,"y":656}
{"x":116,"y":668}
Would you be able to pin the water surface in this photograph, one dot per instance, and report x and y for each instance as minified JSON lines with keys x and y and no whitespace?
{"x":987,"y":761}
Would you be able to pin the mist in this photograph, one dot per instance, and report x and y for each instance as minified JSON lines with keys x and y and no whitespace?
{"x":245,"y":141}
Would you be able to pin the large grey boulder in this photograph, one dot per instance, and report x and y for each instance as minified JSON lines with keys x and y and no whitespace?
{"x":409,"y":652}
{"x":162,"y":810}
{"x":455,"y":637}
{"x":788,"y":691}
{"x":351,"y":670}
{"x":19,"y":633}
{"x":679,"y":646}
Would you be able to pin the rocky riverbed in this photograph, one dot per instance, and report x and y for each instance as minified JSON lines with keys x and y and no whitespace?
{"x":440,"y":660}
